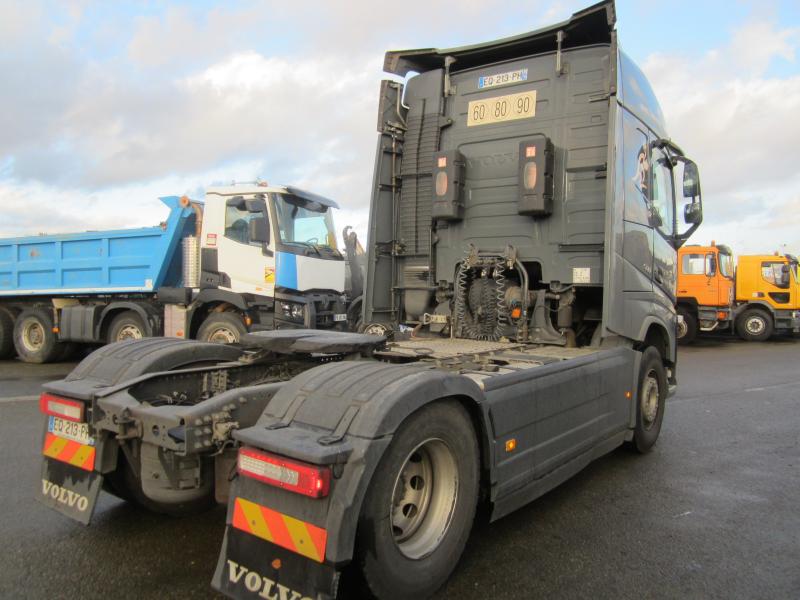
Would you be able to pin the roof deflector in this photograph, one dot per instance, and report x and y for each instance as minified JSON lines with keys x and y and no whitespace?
{"x":592,"y":25}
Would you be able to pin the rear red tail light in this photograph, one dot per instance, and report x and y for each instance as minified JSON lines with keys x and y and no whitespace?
{"x":61,"y":407}
{"x":310,"y":480}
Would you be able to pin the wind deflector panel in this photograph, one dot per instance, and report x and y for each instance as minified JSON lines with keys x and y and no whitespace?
{"x":593,"y":25}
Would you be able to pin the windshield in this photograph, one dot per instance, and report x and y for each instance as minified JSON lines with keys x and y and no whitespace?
{"x":726,"y":265}
{"x":304,"y":223}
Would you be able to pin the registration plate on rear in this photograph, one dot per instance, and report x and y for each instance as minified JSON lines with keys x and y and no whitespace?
{"x":70,"y":430}
{"x":340,"y":317}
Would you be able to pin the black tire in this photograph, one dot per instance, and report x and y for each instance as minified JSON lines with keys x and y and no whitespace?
{"x":34,"y":338}
{"x":688,"y":332}
{"x":126,"y":485}
{"x":6,"y":335}
{"x":222,"y":328}
{"x":651,"y":399}
{"x":126,"y":325}
{"x":754,"y":325}
{"x":415,"y":567}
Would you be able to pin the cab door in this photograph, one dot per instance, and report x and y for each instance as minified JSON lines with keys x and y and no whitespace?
{"x":698,"y":278}
{"x":249,"y":263}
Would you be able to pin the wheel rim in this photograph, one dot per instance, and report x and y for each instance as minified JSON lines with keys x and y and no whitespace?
{"x":129,"y":332}
{"x":755,"y":325}
{"x":424,"y":498}
{"x":650,"y":399}
{"x":683,"y":328}
{"x":33,"y":336}
{"x":223,"y":335}
{"x":375,"y":329}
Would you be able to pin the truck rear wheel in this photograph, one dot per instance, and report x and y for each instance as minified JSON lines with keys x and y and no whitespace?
{"x":34,"y":338}
{"x":222,"y":328}
{"x":650,"y":401}
{"x":687,"y":331}
{"x":754,"y":325}
{"x":6,"y":335}
{"x":126,"y":326}
{"x":420,"y":505}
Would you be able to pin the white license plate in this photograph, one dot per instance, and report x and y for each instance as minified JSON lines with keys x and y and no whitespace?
{"x":70,"y":430}
{"x":488,"y":81}
{"x":502,"y":108}
{"x":340,"y":317}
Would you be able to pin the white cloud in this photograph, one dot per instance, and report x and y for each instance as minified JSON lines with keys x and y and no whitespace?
{"x":738,"y":122}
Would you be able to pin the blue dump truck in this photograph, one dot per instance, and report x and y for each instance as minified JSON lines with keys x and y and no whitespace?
{"x":251,"y":257}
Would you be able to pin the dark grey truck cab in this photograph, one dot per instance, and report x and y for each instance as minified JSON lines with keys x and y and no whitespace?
{"x":525,"y":214}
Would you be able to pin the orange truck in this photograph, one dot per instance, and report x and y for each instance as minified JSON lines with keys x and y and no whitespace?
{"x":760,"y":298}
{"x":705,"y":290}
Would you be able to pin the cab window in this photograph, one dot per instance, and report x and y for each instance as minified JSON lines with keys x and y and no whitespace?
{"x":636,"y":165}
{"x":697,"y":264}
{"x":237,"y":225}
{"x":661,"y":198}
{"x":775,"y":273}
{"x":726,"y":265}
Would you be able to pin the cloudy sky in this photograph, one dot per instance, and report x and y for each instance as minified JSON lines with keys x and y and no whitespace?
{"x":107,"y":105}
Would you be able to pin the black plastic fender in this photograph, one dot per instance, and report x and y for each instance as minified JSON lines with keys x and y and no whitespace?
{"x":208,"y":295}
{"x":344,"y":414}
{"x":116,"y":363}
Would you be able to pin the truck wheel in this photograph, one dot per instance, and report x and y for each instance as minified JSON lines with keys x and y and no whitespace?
{"x":222,"y":328}
{"x":6,"y":335}
{"x":34,"y":338}
{"x":687,"y":331}
{"x":650,"y":401}
{"x":126,"y":326}
{"x":755,"y":325}
{"x":420,"y":505}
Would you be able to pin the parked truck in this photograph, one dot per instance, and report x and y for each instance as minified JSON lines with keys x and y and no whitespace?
{"x":705,"y":290}
{"x":520,"y":299}
{"x":761,"y":296}
{"x":251,"y":257}
{"x":767,"y":296}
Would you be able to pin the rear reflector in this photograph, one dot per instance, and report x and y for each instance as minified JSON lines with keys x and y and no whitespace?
{"x":61,"y":407}
{"x":295,"y":476}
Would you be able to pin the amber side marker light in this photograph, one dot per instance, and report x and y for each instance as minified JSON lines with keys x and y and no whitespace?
{"x":295,"y":476}
{"x":511,"y":445}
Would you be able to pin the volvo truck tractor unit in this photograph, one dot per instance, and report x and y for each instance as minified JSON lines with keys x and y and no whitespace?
{"x":519,"y":318}
{"x":250,"y":257}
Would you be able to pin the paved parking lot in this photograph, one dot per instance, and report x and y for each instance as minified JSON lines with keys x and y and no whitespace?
{"x":712,"y":512}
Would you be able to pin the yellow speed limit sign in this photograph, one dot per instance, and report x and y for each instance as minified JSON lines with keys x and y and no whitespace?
{"x":502,"y":108}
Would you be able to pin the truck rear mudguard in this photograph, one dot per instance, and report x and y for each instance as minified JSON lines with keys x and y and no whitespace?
{"x":562,"y":414}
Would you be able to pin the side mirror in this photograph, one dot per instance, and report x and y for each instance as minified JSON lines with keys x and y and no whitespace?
{"x":259,"y":230}
{"x":691,"y":180}
{"x":693,"y":213}
{"x":712,"y":268}
{"x":691,"y":200}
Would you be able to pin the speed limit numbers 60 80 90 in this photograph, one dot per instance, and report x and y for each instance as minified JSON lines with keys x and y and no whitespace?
{"x":501,"y":108}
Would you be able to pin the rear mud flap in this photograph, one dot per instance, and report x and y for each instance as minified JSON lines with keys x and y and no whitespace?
{"x":249,"y":568}
{"x":69,"y":490}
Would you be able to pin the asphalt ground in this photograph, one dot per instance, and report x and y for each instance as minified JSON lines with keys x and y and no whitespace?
{"x":712,"y":512}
